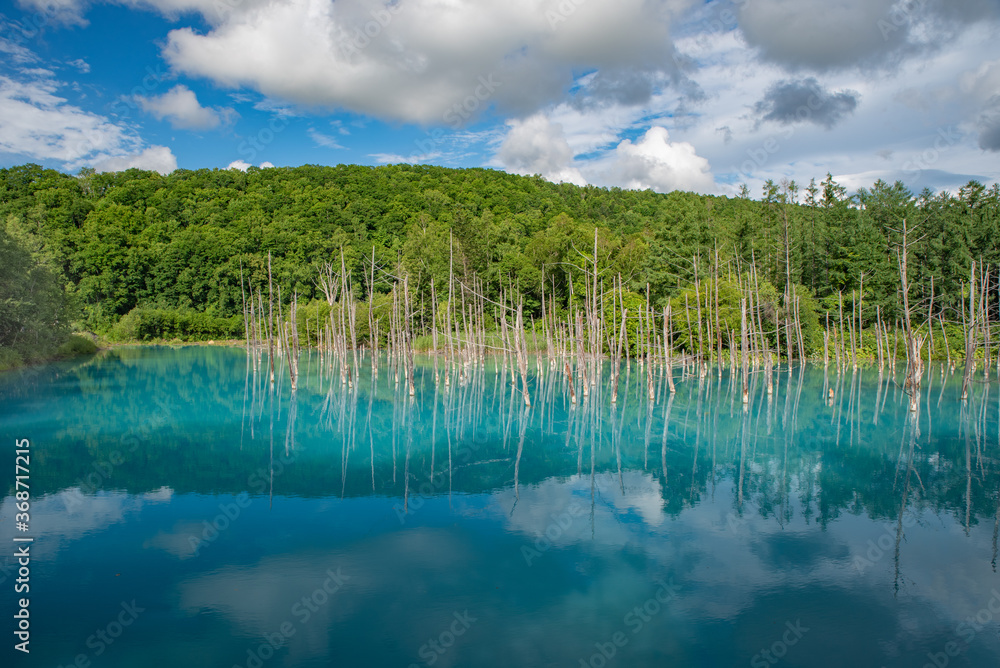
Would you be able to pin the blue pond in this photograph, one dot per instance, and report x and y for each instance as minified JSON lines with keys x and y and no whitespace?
{"x":185,"y":512}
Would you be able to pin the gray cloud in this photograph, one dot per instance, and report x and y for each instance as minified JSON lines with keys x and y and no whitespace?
{"x":818,"y":35}
{"x":637,"y":83}
{"x":788,"y":102}
{"x":989,"y":127}
{"x":965,"y":11}
{"x":807,"y":34}
{"x":624,"y":86}
{"x":936,"y":179}
{"x":429,"y":62}
{"x":980,"y":94}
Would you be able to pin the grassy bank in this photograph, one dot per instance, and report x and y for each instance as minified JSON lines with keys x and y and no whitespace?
{"x":74,"y":346}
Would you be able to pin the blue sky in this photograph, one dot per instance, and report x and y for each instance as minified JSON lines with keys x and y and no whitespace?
{"x":661,"y":94}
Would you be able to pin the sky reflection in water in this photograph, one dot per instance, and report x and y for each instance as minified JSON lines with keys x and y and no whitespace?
{"x":355,"y":526}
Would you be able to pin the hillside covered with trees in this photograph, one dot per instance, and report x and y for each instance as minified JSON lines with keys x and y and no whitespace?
{"x":167,"y":253}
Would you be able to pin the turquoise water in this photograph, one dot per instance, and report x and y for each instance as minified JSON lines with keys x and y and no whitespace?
{"x":184,"y":514}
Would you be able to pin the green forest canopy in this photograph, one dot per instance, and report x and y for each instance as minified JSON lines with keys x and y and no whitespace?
{"x":178,"y":243}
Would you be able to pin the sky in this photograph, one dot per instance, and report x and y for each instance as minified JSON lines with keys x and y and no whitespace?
{"x":659,"y":94}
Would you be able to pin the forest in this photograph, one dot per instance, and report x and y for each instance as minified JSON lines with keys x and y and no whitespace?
{"x":136,"y":255}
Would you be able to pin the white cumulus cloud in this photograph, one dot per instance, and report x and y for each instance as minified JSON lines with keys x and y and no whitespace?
{"x":396,"y":158}
{"x":537,"y":145}
{"x":37,"y":123}
{"x":657,"y":163}
{"x":243,"y":166}
{"x":155,"y":158}
{"x":180,"y":107}
{"x":426,"y":61}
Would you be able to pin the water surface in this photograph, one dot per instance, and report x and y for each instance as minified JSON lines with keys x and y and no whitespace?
{"x":187,"y":514}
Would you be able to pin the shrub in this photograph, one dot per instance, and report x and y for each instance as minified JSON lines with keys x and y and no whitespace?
{"x":149,"y":324}
{"x":75,"y":346}
{"x":9,"y":358}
